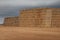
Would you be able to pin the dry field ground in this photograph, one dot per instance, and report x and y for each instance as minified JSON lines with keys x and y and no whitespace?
{"x":29,"y":33}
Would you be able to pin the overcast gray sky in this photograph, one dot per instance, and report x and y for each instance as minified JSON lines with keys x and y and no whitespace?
{"x":12,"y":7}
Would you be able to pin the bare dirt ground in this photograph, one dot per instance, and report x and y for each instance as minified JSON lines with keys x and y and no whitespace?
{"x":29,"y":33}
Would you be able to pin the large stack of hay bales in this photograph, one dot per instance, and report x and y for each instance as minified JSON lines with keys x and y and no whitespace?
{"x":40,"y":17}
{"x":36,"y":17}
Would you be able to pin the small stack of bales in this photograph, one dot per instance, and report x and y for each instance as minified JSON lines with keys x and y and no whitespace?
{"x":11,"y":21}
